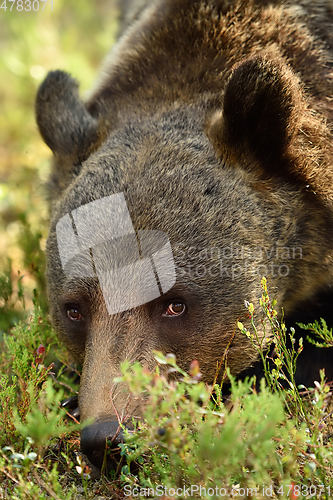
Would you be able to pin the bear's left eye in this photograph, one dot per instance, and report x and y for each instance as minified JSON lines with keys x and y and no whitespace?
{"x":74,"y":314}
{"x":175,"y":309}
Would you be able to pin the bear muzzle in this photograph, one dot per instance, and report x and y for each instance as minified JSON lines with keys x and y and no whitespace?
{"x":99,"y":441}
{"x":100,"y":444}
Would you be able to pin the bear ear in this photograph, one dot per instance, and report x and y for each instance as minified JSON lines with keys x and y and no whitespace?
{"x":261,"y":111}
{"x":63,"y":120}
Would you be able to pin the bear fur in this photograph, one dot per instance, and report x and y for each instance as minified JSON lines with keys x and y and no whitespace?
{"x":213,"y":118}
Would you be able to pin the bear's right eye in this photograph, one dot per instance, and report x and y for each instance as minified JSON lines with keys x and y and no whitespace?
{"x":74,"y":314}
{"x":175,"y":309}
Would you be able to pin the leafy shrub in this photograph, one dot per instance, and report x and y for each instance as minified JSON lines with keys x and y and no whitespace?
{"x":275,"y":442}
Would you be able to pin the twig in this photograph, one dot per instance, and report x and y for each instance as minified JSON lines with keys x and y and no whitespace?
{"x":10,"y":476}
{"x":62,"y":383}
{"x":316,"y":461}
{"x":44,"y":485}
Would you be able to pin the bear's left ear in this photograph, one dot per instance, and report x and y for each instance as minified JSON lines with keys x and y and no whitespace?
{"x":261,"y":111}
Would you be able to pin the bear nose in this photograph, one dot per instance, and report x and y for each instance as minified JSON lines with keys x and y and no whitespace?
{"x":99,"y":438}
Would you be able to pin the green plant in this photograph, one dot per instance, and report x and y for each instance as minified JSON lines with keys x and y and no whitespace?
{"x":12,"y":302}
{"x":30,"y":412}
{"x":321,"y":331}
{"x":280,"y":368}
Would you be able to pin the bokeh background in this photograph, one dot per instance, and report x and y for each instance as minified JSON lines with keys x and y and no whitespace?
{"x":75,"y":36}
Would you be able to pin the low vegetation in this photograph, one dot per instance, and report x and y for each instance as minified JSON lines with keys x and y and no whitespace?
{"x":269,"y":443}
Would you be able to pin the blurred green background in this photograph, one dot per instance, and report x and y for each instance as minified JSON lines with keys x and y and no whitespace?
{"x":74,"y":36}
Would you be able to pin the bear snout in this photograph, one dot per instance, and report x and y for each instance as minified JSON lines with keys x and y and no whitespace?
{"x":100,"y":441}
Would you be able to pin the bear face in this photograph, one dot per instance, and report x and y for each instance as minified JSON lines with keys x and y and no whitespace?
{"x":188,"y":174}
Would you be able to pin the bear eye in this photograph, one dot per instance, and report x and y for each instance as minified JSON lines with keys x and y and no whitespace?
{"x":74,"y":314}
{"x":175,"y":309}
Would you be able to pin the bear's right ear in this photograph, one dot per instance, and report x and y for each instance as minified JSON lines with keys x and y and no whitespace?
{"x":63,"y":120}
{"x":261,"y":112}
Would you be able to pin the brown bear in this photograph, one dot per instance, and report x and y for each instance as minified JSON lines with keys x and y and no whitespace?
{"x":201,"y":161}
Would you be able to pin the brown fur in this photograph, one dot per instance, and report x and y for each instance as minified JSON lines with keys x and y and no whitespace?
{"x":214,"y":119}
